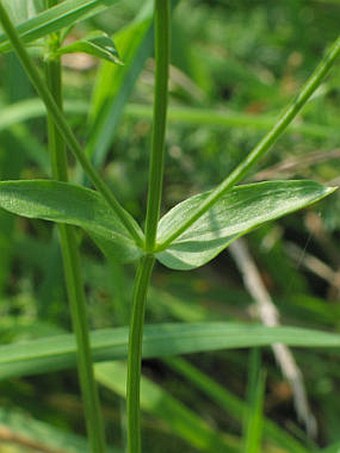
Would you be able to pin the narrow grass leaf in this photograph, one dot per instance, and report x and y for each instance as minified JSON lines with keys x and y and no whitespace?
{"x":236,"y":213}
{"x":229,"y":119}
{"x":158,"y":402}
{"x":71,"y":204}
{"x":114,"y":85}
{"x":230,"y":403}
{"x":253,"y":420}
{"x":97,"y":44}
{"x":65,"y":14}
{"x":160,"y":340}
{"x":34,"y":108}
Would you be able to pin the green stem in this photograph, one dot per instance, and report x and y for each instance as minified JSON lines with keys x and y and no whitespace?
{"x":56,"y":143}
{"x":156,"y":170}
{"x":135,"y":352}
{"x":64,"y":128}
{"x":265,"y":144}
{"x":76,"y":296}
{"x":144,"y":271}
{"x":75,"y":289}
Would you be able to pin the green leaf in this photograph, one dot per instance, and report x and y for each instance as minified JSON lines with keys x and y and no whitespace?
{"x":182,"y":421}
{"x":98,"y":44}
{"x":253,"y":420}
{"x":239,"y":211}
{"x":34,"y":108}
{"x":59,"y":352}
{"x":65,"y":14}
{"x":228,"y":119}
{"x":67,"y":203}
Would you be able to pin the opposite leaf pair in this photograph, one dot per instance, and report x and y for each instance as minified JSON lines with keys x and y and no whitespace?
{"x":239,"y":211}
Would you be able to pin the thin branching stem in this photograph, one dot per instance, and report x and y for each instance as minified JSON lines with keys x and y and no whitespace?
{"x":72,"y":271}
{"x":64,"y":128}
{"x":263,"y":146}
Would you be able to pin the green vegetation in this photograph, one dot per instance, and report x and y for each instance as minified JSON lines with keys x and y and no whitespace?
{"x":139,"y":141}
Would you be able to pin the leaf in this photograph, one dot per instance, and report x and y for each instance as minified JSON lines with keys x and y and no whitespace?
{"x":98,"y":44}
{"x":228,"y":118}
{"x":182,"y":421}
{"x":65,"y":14}
{"x":239,"y":211}
{"x":59,"y":352}
{"x":67,"y":203}
{"x":34,"y":108}
{"x":253,"y":420}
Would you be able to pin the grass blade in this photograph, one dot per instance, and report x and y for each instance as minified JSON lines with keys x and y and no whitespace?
{"x":230,"y":403}
{"x":160,"y":340}
{"x":114,"y":86}
{"x":253,"y":420}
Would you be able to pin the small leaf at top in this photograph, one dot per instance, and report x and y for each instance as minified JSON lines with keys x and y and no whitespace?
{"x":98,"y":44}
{"x":65,"y":14}
{"x":74,"y":205}
{"x":236,"y":213}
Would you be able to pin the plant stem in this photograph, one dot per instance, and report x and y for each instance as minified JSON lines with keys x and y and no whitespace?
{"x":263,"y":146}
{"x":144,"y":271}
{"x":74,"y":284}
{"x":156,"y":169}
{"x":65,"y":130}
{"x":76,"y":296}
{"x":135,"y":352}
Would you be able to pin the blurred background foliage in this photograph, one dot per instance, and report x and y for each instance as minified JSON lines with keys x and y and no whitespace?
{"x":234,"y":66}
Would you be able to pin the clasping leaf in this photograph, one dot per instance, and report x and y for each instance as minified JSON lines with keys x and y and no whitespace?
{"x":71,"y":204}
{"x":97,"y":43}
{"x":236,"y":213}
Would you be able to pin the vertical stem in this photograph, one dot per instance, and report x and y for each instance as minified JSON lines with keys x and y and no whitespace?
{"x":144,"y":271}
{"x":76,"y":296}
{"x":74,"y":284}
{"x":135,"y":352}
{"x":156,"y":171}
